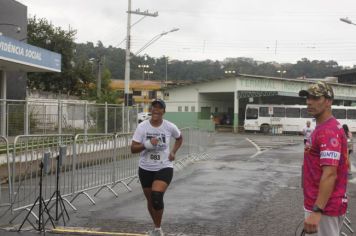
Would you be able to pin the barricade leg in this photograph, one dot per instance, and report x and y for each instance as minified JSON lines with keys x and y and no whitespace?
{"x":86,"y":194}
{"x":108,"y":187}
{"x":126,"y":185}
{"x":26,"y":209}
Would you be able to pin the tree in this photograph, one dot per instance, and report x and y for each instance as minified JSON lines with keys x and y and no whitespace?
{"x":43,"y":34}
{"x":83,"y":71}
{"x":107,"y":93}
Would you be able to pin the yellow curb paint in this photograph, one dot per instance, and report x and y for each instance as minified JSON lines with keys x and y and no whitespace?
{"x":90,"y":232}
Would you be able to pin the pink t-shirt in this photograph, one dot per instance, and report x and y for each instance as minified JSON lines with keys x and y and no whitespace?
{"x":328,"y":147}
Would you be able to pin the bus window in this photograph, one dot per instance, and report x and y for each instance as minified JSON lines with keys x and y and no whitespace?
{"x":339,"y":113}
{"x":304,"y":113}
{"x":251,"y":113}
{"x":279,"y":112}
{"x":264,"y":112}
{"x":293,"y":112}
{"x":351,"y":114}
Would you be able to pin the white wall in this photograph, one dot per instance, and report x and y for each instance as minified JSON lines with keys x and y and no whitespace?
{"x":186,"y":96}
{"x":222,"y":85}
{"x":191,"y":95}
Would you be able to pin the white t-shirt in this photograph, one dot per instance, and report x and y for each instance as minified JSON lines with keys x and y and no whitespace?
{"x":154,"y":160}
{"x":307,"y":131}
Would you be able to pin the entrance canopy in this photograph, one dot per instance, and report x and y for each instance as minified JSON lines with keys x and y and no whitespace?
{"x":260,"y":86}
{"x":18,"y":56}
{"x":249,"y":94}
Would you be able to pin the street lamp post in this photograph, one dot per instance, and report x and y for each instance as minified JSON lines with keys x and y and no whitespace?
{"x":166,"y":71}
{"x":347,"y":20}
{"x":230,"y":72}
{"x":143,"y":70}
{"x":98,"y":81}
{"x":154,"y":39}
{"x":148,"y":74}
{"x":281,"y":72}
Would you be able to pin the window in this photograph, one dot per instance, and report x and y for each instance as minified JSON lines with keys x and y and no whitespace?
{"x":152,"y":94}
{"x":351,"y":114}
{"x":251,"y":114}
{"x":304,"y":113}
{"x":137,"y":93}
{"x":179,"y":108}
{"x":166,"y":94}
{"x":186,"y":108}
{"x":205,"y":113}
{"x":264,"y":112}
{"x":279,"y":112}
{"x":339,"y":113}
{"x":293,"y":112}
{"x":192,"y":108}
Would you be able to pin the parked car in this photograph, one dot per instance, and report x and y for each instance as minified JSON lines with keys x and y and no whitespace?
{"x":143,"y":116}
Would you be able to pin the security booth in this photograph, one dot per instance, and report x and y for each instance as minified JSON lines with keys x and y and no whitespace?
{"x":193,"y":103}
{"x":17,"y":56}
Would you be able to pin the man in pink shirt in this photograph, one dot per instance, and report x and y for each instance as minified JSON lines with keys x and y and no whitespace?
{"x":325,"y":166}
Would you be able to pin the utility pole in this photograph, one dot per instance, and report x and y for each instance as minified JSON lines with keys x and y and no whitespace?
{"x":128,"y":100}
{"x":98,"y":82}
{"x":166,"y":70}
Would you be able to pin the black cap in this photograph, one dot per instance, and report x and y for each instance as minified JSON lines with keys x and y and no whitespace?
{"x":160,"y":102}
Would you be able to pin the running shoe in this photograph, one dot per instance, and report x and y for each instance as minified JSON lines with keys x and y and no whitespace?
{"x":156,"y":232}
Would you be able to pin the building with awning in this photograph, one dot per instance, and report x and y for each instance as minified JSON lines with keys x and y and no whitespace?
{"x":17,"y":57}
{"x":196,"y":103}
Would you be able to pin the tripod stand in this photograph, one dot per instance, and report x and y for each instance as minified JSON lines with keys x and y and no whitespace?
{"x":57,"y":194}
{"x":41,"y":203}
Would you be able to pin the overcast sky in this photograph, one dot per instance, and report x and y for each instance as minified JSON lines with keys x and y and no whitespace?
{"x":274,"y":30}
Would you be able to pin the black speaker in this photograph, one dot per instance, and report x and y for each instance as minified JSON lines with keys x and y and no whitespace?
{"x":46,"y":162}
{"x":62,"y":154}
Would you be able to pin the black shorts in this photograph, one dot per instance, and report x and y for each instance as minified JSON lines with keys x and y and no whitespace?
{"x":147,"y":177}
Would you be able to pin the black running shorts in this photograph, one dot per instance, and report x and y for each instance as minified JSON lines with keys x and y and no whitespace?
{"x":147,"y":177}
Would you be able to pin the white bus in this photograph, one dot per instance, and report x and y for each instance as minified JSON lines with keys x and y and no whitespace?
{"x":290,"y":118}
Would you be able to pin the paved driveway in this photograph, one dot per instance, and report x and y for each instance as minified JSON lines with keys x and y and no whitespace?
{"x":235,"y":192}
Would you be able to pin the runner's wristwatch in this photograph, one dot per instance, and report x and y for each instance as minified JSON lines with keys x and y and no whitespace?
{"x":317,"y":209}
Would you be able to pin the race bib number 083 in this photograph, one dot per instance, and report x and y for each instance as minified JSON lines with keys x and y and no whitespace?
{"x":155,"y":157}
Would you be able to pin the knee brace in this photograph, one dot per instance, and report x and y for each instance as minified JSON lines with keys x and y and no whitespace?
{"x":157,"y":200}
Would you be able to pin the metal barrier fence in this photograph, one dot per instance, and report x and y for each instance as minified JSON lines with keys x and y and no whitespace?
{"x":195,"y":144}
{"x":126,"y":163}
{"x":5,"y":194}
{"x":28,"y":153}
{"x":24,"y":117}
{"x":90,"y":162}
{"x":94,"y":162}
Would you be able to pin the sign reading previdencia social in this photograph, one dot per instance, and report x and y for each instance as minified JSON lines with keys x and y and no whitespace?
{"x":26,"y":54}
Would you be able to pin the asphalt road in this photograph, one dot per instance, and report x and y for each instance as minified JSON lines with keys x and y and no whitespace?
{"x":234,"y":192}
